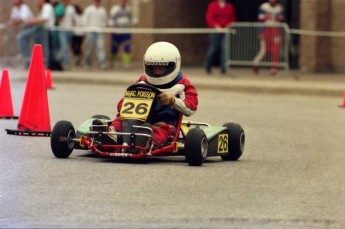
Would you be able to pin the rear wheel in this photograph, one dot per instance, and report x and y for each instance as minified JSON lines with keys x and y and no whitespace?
{"x":196,"y":146}
{"x":61,"y":139}
{"x":236,"y":141}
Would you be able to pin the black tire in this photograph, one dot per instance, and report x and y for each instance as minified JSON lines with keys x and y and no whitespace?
{"x":60,"y":142}
{"x":99,"y":116}
{"x":196,"y":146}
{"x":236,"y":141}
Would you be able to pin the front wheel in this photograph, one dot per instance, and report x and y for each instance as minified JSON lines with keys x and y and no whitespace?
{"x":236,"y":141}
{"x":61,"y":139}
{"x":196,"y":146}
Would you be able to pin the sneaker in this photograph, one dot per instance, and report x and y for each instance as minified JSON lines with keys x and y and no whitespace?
{"x":274,"y":71}
{"x":208,"y":70}
{"x":66,"y":67}
{"x":255,"y":70}
{"x":103,"y":66}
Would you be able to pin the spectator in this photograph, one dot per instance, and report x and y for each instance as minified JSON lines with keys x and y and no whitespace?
{"x":270,"y":36}
{"x":20,"y":15}
{"x":78,"y":35}
{"x":39,"y":31}
{"x":95,"y":17}
{"x":54,"y":44}
{"x":121,"y":17}
{"x":219,"y":15}
{"x":65,"y":35}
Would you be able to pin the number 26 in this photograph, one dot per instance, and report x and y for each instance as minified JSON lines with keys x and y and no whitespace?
{"x":140,"y":108}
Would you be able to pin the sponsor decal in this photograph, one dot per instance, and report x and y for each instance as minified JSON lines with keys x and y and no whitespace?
{"x":140,"y":94}
{"x":156,"y":63}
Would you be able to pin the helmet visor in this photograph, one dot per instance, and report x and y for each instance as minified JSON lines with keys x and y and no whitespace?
{"x":159,"y":69}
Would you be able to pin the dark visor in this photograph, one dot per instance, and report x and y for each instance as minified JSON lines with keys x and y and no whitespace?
{"x":150,"y":68}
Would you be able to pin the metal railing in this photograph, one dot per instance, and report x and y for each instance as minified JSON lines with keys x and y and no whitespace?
{"x":258,"y":44}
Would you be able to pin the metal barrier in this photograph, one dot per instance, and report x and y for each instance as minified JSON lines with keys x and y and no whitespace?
{"x":258,"y":44}
{"x":248,"y":44}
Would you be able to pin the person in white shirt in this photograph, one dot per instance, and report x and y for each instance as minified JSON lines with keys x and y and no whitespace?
{"x":95,"y":17}
{"x":121,"y":17}
{"x":39,"y":31}
{"x":20,"y":14}
{"x":65,"y":35}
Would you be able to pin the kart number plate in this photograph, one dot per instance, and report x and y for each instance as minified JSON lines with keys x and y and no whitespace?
{"x":137,"y":105}
{"x":223,"y":143}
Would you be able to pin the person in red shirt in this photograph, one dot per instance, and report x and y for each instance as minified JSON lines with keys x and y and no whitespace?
{"x":162,"y":63}
{"x":220,"y":15}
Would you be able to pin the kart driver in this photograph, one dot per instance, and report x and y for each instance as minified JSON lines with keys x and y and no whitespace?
{"x":162,"y":63}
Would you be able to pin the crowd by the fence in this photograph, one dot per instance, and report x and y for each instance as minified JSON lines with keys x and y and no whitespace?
{"x":61,"y":27}
{"x":59,"y":44}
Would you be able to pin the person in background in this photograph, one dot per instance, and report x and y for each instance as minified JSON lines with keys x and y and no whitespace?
{"x":270,"y":36}
{"x":54,"y":44}
{"x":220,"y":15}
{"x":78,"y":35}
{"x":65,"y":35}
{"x":20,"y":14}
{"x":40,"y":26}
{"x":121,"y":17}
{"x":95,"y":17}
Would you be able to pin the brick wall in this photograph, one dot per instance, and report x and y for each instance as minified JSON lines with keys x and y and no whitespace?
{"x":322,"y":53}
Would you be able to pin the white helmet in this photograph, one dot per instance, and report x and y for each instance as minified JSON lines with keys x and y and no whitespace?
{"x":164,"y":56}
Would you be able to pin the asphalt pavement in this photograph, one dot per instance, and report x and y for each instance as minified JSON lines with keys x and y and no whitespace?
{"x":236,"y":79}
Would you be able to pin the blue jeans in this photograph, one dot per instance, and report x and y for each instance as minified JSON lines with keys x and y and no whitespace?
{"x":65,"y":38}
{"x":92,"y":39}
{"x":33,"y":35}
{"x":117,"y":40}
{"x":216,"y":43}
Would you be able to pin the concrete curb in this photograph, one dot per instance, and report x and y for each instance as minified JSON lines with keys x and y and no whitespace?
{"x":239,"y":81}
{"x":231,"y":86}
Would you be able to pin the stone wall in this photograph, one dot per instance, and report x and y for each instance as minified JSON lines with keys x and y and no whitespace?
{"x":322,"y":53}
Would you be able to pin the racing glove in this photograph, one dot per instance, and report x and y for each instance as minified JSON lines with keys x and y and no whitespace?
{"x":166,"y":99}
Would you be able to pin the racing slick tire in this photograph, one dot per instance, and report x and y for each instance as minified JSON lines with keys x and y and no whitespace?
{"x":196,"y":146}
{"x":99,"y":116}
{"x":60,"y":142}
{"x":236,"y":141}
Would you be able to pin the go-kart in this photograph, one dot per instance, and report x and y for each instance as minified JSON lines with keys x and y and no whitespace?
{"x":194,"y":140}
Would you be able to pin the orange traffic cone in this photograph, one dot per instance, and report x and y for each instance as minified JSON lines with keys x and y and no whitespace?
{"x":49,"y":79}
{"x":6,"y":107}
{"x":34,"y":117}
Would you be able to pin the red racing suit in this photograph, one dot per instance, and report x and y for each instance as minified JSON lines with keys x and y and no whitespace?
{"x":269,"y":14}
{"x":165,"y":120}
